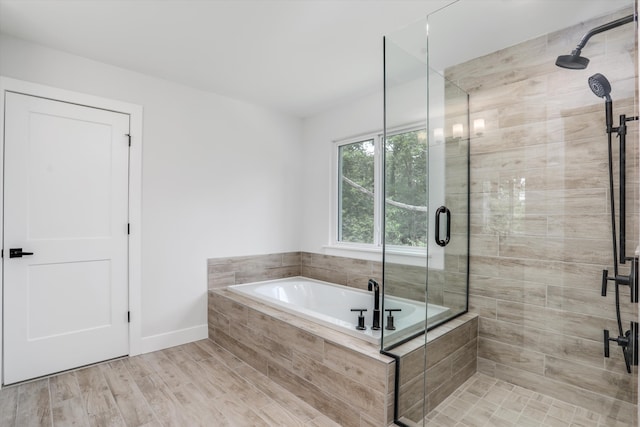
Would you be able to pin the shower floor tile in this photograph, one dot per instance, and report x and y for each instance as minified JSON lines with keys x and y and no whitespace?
{"x":483,"y":401}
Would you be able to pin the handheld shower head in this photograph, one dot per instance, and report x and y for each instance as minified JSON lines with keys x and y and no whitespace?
{"x":600,"y":86}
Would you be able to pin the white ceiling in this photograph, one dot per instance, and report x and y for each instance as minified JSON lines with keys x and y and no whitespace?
{"x":297,"y":56}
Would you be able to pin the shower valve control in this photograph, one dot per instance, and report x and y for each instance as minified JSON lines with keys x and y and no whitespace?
{"x":390,"y":326}
{"x":631,"y":280}
{"x":360,"y":326}
{"x":629,"y":343}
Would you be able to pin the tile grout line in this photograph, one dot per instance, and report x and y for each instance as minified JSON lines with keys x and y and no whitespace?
{"x":50,"y":402}
{"x":135,"y":382}
{"x":124,"y":420}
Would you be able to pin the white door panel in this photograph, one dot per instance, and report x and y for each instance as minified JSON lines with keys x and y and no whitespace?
{"x":54,"y":175}
{"x":66,"y":191}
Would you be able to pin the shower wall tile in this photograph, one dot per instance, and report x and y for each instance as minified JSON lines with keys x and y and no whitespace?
{"x":570,"y":274}
{"x":484,"y":307}
{"x":572,"y":348}
{"x":485,"y":245}
{"x":507,"y":289}
{"x":584,"y":325}
{"x":570,"y":226}
{"x":456,"y":301}
{"x":596,"y":380}
{"x":511,"y":355}
{"x":554,"y":249}
{"x":587,"y":302}
{"x":540,"y":216}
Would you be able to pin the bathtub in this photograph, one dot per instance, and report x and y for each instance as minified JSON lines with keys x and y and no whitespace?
{"x":330,"y":305}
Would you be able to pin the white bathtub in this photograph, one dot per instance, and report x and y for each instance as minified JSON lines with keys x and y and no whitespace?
{"x":330,"y":305}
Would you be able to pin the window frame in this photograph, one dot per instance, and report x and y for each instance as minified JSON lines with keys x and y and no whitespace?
{"x":376,"y":137}
{"x":378,"y":214}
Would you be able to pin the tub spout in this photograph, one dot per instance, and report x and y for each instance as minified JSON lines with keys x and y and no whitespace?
{"x":373,"y":285}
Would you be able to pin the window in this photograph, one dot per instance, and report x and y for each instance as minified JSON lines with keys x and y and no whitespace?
{"x":356,"y":192}
{"x":360,"y":186}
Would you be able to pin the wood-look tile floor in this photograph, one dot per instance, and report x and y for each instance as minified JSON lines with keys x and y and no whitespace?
{"x":201,"y":384}
{"x":485,"y":401}
{"x":197,"y":384}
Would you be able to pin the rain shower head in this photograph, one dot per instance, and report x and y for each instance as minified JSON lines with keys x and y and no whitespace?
{"x":600,"y":86}
{"x":577,"y":62}
{"x":573,"y":61}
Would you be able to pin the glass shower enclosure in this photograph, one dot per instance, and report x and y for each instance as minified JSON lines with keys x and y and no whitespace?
{"x":426,"y":209}
{"x":554,"y":203}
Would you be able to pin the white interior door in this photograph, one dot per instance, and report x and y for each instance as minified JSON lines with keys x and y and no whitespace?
{"x":66,"y":202}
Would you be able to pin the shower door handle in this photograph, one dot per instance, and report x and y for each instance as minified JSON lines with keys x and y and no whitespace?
{"x":439,"y":211}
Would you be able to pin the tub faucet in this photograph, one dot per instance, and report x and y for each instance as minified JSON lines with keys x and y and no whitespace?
{"x":373,"y":285}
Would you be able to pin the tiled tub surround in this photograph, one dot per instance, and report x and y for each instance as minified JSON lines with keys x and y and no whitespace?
{"x":222,"y":272}
{"x":333,"y":306}
{"x":405,"y":281}
{"x":450,"y":361}
{"x":540,"y":231}
{"x":345,"y":378}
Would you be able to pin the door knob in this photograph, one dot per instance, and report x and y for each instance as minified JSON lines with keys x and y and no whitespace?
{"x":17,"y":253}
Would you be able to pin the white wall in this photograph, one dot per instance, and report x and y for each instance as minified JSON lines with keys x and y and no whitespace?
{"x":319,"y":132}
{"x":220,"y":177}
{"x":407,"y":103}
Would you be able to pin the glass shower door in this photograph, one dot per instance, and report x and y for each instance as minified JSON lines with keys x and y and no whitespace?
{"x":426,"y":182}
{"x":448,"y":124}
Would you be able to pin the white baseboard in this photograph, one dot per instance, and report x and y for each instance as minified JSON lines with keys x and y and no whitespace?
{"x":170,"y":339}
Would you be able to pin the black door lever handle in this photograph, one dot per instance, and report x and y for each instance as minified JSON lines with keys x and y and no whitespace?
{"x":17,"y":253}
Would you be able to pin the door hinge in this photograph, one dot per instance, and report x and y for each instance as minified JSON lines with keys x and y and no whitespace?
{"x":128,"y":228}
{"x":129,"y":136}
{"x":2,"y":253}
{"x":128,"y":317}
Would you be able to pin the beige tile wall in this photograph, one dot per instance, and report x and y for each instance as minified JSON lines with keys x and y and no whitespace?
{"x":345,"y":378}
{"x":352,"y":272}
{"x":540,"y":233}
{"x":227,"y":271}
{"x":450,"y":361}
{"x":448,"y":286}
{"x":404,"y":281}
{"x":311,"y":365}
{"x":342,"y":270}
